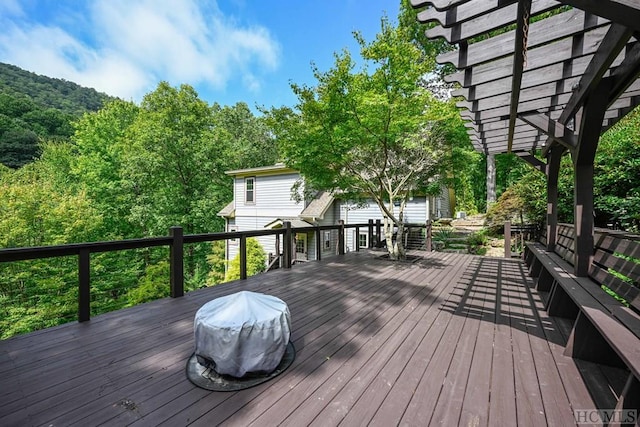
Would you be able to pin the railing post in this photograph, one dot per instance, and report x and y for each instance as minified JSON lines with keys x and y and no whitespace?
{"x":341,"y":237}
{"x":278,"y":253}
{"x":176,"y":260}
{"x":243,"y":257}
{"x":356,"y":242}
{"x":84,"y":287}
{"x":507,"y":239}
{"x":318,"y":244}
{"x":287,"y":245}
{"x":370,"y":234}
{"x":428,"y":235}
{"x":378,"y":231}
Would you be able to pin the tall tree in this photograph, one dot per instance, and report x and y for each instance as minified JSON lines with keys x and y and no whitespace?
{"x":248,"y":140}
{"x":101,"y":144}
{"x":368,"y":133}
{"x":173,"y":162}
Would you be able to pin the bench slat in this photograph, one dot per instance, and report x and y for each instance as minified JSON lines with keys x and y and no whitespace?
{"x":613,"y":244}
{"x":627,"y":316}
{"x":625,"y":267}
{"x":623,"y":341}
{"x":627,"y":291}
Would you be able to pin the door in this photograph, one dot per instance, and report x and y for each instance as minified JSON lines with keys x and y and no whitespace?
{"x":301,"y":247}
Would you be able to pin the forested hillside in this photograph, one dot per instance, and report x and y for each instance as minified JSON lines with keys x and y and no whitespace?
{"x":34,"y":107}
{"x":127,"y":171}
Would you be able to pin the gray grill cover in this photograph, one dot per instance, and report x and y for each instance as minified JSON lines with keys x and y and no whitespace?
{"x":246,"y":332}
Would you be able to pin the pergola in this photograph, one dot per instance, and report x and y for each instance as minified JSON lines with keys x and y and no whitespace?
{"x":543,"y":76}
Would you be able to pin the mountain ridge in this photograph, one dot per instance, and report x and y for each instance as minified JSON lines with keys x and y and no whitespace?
{"x":35,"y":107}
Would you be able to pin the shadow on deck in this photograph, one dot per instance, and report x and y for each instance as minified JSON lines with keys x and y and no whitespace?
{"x":452,"y":339}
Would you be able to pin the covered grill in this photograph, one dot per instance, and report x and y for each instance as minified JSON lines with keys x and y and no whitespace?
{"x":242,"y":333}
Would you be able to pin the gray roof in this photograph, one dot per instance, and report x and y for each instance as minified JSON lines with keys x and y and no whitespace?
{"x":228,"y":211}
{"x":295,"y":223}
{"x":318,"y":206}
{"x":278,"y":168}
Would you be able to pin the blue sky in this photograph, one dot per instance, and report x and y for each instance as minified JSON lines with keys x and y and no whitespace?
{"x":229,"y":50}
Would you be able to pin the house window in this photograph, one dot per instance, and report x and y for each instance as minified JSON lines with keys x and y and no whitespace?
{"x":362,"y":240}
{"x":327,"y":239}
{"x":249,"y":190}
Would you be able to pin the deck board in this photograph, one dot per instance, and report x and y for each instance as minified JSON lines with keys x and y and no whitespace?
{"x":453,"y":339}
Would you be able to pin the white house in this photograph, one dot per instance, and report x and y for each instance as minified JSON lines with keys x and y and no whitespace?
{"x":262,"y":198}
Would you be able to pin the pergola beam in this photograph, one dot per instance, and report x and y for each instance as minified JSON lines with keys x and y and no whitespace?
{"x":487,"y":22}
{"x":557,"y":52}
{"x":624,"y":12}
{"x":537,"y":164}
{"x":614,"y":41}
{"x":437,"y":4}
{"x":626,"y":73}
{"x":553,"y":129}
{"x":543,"y":32}
{"x":463,"y":12}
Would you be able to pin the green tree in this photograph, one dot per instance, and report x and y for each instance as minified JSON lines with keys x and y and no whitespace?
{"x":248,"y":141}
{"x":172,"y":163}
{"x":153,"y":285}
{"x":460,"y":162}
{"x":368,"y":133}
{"x":256,"y":261}
{"x":36,"y":211}
{"x":101,"y":144}
{"x":617,"y":175}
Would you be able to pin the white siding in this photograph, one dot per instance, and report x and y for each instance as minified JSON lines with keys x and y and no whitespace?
{"x":272,"y":195}
{"x":272,"y":200}
{"x":415,"y":212}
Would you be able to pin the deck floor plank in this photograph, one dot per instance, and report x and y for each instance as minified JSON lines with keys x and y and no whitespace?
{"x":453,"y":339}
{"x":475,"y":404}
{"x":530,"y":408}
{"x":441,"y":374}
{"x":346,"y":385}
{"x":371,"y":394}
{"x":502,"y":404}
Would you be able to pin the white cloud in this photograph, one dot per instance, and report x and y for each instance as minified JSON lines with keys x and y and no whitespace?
{"x":140,"y":43}
{"x":10,"y":7}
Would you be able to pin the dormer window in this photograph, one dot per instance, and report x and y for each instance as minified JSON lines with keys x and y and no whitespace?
{"x":249,"y":190}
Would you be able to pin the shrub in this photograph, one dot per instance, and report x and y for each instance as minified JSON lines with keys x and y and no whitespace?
{"x":476,"y":243}
{"x":256,"y":261}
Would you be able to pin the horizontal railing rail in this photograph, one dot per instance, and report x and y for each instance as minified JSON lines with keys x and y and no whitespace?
{"x":176,"y":241}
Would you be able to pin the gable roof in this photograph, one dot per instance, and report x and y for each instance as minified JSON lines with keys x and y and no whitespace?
{"x":318,"y":206}
{"x":228,"y":211}
{"x":295,"y":223}
{"x":277,"y":169}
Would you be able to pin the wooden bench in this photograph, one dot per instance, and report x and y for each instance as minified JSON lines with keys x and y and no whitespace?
{"x":605,"y":330}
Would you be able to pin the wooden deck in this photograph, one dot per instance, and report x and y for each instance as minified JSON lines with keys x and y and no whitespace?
{"x":451,"y":340}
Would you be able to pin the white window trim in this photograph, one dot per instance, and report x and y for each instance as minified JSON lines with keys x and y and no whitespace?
{"x":253,"y":190}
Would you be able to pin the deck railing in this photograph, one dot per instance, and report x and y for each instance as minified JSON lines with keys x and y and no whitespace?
{"x":176,"y":241}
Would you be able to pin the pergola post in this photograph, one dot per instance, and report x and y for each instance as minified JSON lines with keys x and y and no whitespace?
{"x":583,"y":157}
{"x":553,"y":170}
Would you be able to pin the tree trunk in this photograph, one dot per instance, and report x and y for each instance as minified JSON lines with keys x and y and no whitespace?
{"x":388,"y":235}
{"x":491,"y":180}
{"x":395,"y":247}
